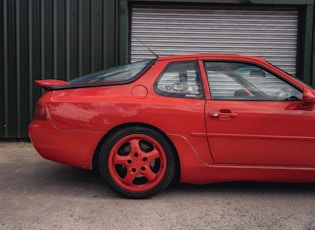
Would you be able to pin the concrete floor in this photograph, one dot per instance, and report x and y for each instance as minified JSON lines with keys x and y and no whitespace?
{"x":40,"y":194}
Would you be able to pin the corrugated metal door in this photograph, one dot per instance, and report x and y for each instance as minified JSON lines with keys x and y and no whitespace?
{"x":269,"y":33}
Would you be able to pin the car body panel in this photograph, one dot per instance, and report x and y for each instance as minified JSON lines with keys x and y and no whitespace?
{"x":264,"y":133}
{"x":71,"y":147}
{"x":248,"y":140}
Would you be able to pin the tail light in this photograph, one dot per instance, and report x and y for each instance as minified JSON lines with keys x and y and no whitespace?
{"x":40,"y":112}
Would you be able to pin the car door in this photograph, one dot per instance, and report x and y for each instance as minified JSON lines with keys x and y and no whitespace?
{"x":255,"y":118}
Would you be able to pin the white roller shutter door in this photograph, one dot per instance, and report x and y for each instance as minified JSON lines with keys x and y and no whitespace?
{"x":271,"y":34}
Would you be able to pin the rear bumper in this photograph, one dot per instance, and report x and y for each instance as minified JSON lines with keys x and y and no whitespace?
{"x":71,"y":147}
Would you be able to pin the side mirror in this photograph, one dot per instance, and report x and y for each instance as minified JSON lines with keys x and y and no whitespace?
{"x":308,"y":100}
{"x":308,"y":95}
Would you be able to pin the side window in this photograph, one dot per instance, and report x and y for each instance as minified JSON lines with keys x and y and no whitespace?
{"x":243,"y":81}
{"x":180,"y":79}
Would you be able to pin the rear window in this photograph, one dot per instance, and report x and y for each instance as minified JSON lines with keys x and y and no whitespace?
{"x":117,"y":75}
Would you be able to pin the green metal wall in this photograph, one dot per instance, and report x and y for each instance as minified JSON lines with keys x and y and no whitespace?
{"x":63,"y":39}
{"x":42,"y":39}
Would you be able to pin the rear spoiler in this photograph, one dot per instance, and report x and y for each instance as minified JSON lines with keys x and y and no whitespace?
{"x":51,"y":83}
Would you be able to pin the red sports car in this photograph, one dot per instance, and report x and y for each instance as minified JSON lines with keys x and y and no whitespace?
{"x":199,"y":118}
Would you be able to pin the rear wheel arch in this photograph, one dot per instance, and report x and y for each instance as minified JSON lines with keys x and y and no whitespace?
{"x":95,"y":160}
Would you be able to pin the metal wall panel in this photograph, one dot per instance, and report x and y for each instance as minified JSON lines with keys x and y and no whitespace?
{"x":63,"y":39}
{"x":268,"y":32}
{"x":41,"y":39}
{"x":1,"y":69}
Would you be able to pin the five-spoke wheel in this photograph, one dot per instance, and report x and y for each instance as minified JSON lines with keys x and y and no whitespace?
{"x":137,"y":162}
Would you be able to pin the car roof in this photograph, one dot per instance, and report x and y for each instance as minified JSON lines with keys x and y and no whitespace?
{"x":213,"y":56}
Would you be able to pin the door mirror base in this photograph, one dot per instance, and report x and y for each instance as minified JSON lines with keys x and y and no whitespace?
{"x":308,"y":95}
{"x":308,"y":100}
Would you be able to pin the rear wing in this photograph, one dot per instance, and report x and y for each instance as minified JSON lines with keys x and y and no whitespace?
{"x":50,"y":84}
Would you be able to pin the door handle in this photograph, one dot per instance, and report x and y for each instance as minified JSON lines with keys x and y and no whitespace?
{"x":223,"y":114}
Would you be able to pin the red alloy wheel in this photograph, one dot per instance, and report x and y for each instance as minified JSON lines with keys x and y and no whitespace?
{"x":137,"y":163}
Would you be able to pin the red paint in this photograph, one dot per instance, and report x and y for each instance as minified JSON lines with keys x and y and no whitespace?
{"x":50,"y":82}
{"x":215,"y":140}
{"x":137,"y":162}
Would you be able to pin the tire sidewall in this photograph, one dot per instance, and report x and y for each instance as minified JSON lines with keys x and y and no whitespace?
{"x":110,"y":142}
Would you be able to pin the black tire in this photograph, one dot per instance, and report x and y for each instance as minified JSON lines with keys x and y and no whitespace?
{"x":137,"y":162}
